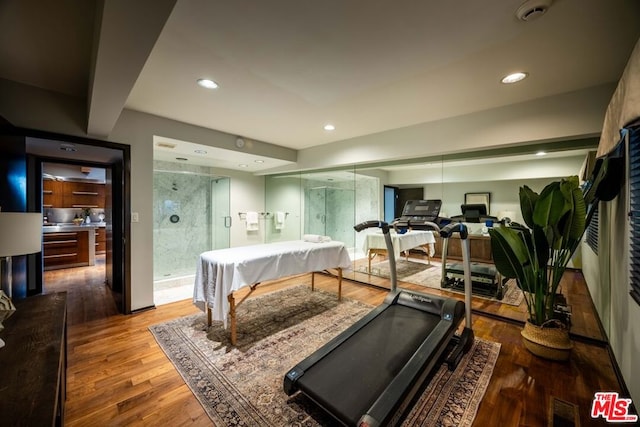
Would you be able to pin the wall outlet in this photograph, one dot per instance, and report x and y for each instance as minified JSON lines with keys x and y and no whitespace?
{"x":134,"y":217}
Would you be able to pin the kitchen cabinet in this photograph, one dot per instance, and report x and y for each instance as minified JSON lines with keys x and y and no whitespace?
{"x":101,"y":240}
{"x":72,"y":246}
{"x":83,"y":195}
{"x":52,"y":194}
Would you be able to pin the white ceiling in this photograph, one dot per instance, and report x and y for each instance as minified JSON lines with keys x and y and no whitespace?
{"x":287,"y":67}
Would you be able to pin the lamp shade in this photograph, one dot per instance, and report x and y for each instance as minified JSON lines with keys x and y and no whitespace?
{"x":20,"y":233}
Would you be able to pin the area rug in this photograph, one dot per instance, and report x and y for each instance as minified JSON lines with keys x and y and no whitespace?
{"x":429,"y":275}
{"x":242,"y":385}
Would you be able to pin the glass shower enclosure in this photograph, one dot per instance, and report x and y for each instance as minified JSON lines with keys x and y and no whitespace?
{"x":329,"y":212}
{"x":191,"y":216}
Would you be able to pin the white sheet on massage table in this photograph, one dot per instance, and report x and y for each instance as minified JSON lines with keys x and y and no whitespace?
{"x":223,"y":271}
{"x":401,"y":242}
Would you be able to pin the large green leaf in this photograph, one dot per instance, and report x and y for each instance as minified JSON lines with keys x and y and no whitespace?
{"x":528,"y":199}
{"x":510,"y":253}
{"x":541,"y":247}
{"x":548,"y":212}
{"x":578,"y":222}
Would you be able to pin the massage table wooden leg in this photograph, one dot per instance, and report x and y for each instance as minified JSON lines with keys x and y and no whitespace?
{"x":232,"y":318}
{"x":233,"y":305}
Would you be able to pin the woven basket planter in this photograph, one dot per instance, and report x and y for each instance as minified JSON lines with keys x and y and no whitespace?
{"x":550,"y":341}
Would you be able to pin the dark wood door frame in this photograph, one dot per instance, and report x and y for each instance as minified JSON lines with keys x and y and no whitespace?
{"x":121,"y":199}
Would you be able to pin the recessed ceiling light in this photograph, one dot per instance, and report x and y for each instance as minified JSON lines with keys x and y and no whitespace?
{"x":514,"y":77}
{"x":200,"y":151}
{"x":206,"y":83}
{"x":259,"y":161}
{"x":243,"y":165}
{"x":67,"y":147}
{"x":541,"y":153}
{"x":329,"y":126}
{"x":182,"y":159}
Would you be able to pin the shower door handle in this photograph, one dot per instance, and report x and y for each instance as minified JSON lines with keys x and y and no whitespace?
{"x":227,"y":222}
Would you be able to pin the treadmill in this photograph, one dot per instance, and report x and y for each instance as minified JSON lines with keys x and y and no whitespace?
{"x":485,"y":278}
{"x":370,"y":374}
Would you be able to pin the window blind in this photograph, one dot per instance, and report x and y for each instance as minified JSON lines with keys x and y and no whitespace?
{"x":592,"y":232}
{"x":634,"y":212}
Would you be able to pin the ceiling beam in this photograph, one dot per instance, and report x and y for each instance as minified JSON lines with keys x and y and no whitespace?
{"x":124,"y":36}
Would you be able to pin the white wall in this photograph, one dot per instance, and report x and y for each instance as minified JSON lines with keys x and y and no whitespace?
{"x":608,"y":281}
{"x":504,"y":194}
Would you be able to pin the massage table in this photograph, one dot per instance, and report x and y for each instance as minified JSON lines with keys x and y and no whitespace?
{"x":222,"y":272}
{"x":423,"y":239}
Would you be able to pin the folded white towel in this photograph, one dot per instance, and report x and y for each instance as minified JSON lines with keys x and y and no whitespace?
{"x":252,"y":221}
{"x":316,"y":238}
{"x":278,"y":220}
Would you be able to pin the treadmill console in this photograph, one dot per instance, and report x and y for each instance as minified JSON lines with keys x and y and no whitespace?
{"x":418,"y":212}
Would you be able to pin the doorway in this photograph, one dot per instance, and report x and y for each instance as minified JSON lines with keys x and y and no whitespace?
{"x":76,"y":215}
{"x":390,"y":204}
{"x":44,"y":148}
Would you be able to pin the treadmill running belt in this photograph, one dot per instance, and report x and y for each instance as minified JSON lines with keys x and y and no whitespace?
{"x":363,"y":367}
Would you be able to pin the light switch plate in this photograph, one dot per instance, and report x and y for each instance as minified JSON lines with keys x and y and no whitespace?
{"x":134,"y":217}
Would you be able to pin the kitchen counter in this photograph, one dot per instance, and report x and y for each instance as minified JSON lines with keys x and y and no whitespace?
{"x":57,"y":228}
{"x":69,"y":245}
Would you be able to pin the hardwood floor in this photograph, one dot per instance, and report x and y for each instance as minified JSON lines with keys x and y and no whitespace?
{"x":117,"y":375}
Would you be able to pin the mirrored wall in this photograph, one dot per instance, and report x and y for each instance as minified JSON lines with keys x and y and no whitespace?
{"x":331,"y":202}
{"x":327,"y":203}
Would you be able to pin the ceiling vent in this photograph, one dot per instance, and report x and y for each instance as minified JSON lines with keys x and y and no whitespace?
{"x":532,"y":9}
{"x":166,"y":145}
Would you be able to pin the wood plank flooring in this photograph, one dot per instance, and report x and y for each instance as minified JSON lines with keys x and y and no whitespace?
{"x":118,"y":375}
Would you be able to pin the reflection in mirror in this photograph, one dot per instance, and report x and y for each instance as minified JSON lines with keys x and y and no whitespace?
{"x":451,"y":179}
{"x":331,"y":202}
{"x":327,"y":203}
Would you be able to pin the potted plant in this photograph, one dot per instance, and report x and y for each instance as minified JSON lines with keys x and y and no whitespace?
{"x":86,"y":212}
{"x":537,"y":256}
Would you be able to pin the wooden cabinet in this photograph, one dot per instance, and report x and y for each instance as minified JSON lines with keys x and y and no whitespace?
{"x":479,"y":248}
{"x":52,"y":194}
{"x":101,"y":240}
{"x":68,"y":194}
{"x":67,"y":249}
{"x":34,"y":361}
{"x":83,"y":195}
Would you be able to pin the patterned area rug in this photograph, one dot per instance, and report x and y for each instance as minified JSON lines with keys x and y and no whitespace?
{"x":429,"y":275}
{"x":242,"y":385}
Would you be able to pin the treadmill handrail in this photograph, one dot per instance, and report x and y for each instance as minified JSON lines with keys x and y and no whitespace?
{"x":445,"y":233}
{"x":454,"y":227}
{"x":387,"y":241}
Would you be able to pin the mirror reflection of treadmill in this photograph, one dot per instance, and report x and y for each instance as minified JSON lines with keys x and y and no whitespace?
{"x":485,"y":279}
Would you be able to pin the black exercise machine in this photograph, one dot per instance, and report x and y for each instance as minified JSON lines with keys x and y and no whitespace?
{"x":485,"y":279}
{"x":369,"y":374}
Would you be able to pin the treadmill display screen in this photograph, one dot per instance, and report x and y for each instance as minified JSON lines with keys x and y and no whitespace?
{"x":427,"y":209}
